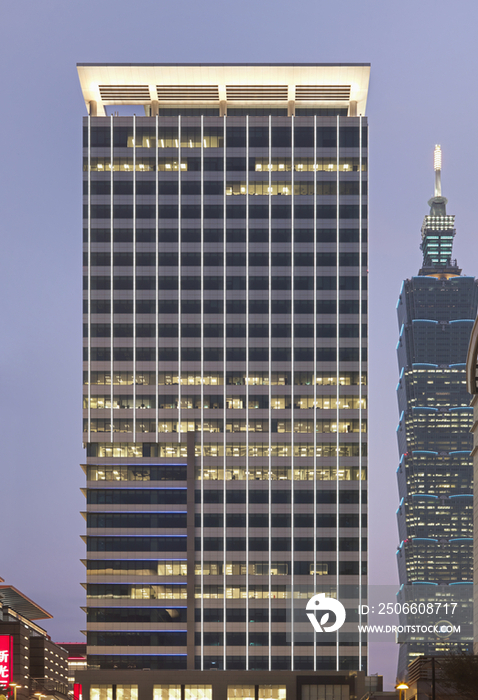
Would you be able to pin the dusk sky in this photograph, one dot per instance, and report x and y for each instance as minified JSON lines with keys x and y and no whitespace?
{"x":422,"y":92}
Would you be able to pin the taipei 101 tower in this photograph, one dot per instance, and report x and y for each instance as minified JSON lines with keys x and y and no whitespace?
{"x":436,"y":310}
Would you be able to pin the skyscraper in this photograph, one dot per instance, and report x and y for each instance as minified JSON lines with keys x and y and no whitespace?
{"x":225,"y":355}
{"x":436,"y":310}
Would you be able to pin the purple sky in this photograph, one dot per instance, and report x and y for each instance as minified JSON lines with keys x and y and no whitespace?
{"x":422,"y":92}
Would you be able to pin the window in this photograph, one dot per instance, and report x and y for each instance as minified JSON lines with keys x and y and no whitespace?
{"x":283,"y":283}
{"x":101,"y":692}
{"x":100,"y":138}
{"x":188,"y":282}
{"x":281,"y":136}
{"x":213,"y":282}
{"x":256,"y":282}
{"x":123,"y":692}
{"x":198,"y":692}
{"x":329,"y":691}
{"x":166,"y":692}
{"x":326,"y":136}
{"x":258,"y":136}
{"x":238,"y":306}
{"x":236,"y":164}
{"x":303,"y":136}
{"x":235,"y":137}
{"x":236,"y":282}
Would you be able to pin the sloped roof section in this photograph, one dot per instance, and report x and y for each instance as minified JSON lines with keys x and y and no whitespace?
{"x":19,"y":602}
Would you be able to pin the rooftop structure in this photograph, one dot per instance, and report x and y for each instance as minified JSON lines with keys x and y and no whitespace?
{"x":222,"y":86}
{"x":11,"y":597}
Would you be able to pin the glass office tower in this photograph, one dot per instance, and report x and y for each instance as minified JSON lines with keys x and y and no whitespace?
{"x":436,"y":311}
{"x":225,"y":364}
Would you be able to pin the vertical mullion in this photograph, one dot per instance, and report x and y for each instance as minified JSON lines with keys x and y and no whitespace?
{"x":89,"y":280}
{"x":202,"y":294}
{"x":134,"y":278}
{"x":247,"y":392}
{"x":360,"y":399}
{"x":337,"y":381}
{"x":270,"y":390}
{"x":202,"y":297}
{"x":315,"y":377}
{"x":224,"y":360}
{"x":179,"y":280}
{"x":157,"y":279}
{"x":111,"y":279}
{"x":292,"y":366}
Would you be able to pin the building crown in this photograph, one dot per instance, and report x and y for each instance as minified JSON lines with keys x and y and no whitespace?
{"x":438,"y":230}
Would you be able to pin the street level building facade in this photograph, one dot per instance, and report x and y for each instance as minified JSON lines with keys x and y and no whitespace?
{"x":225,"y":366}
{"x":436,"y":310}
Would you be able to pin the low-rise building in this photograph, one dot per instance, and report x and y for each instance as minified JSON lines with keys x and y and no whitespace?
{"x":31,"y":663}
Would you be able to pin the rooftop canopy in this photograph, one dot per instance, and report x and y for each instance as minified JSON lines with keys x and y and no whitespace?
{"x":15,"y":599}
{"x":156,"y":85}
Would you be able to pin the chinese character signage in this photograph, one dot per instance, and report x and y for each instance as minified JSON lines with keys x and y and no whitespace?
{"x":6,"y":659}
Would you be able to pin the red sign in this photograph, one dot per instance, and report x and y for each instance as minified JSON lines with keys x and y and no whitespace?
{"x":77,"y":691}
{"x":6,"y":659}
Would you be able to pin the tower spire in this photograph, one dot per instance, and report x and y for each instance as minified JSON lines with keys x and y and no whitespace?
{"x":437,"y":166}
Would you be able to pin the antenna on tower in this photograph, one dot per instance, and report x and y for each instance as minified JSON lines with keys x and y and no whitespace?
{"x":437,"y":166}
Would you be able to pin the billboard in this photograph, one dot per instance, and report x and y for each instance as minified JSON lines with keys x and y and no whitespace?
{"x":6,"y":659}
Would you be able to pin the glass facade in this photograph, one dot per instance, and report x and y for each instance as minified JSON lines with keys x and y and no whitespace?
{"x":436,"y":311}
{"x":225,"y":368}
